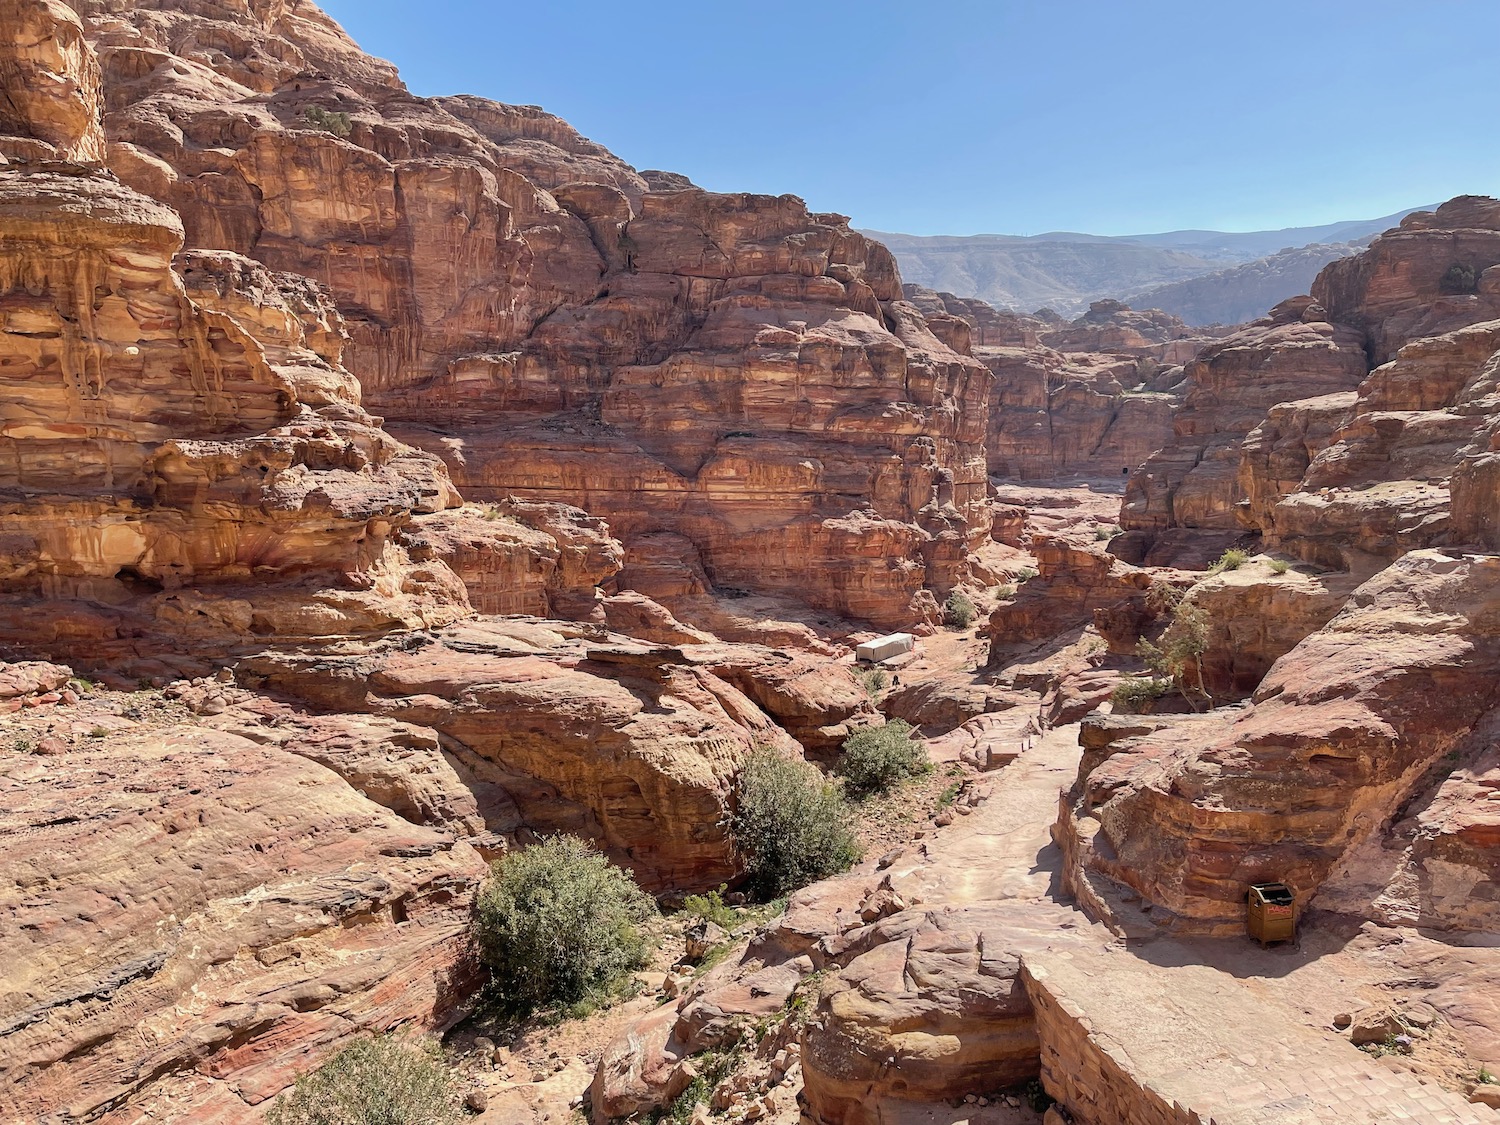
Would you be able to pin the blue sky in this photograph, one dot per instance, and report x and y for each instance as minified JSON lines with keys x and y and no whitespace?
{"x":1008,"y":116}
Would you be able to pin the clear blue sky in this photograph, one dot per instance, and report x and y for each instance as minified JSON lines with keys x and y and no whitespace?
{"x":1008,"y":116}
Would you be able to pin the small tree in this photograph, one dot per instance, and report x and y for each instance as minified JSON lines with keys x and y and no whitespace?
{"x":791,"y":826}
{"x":559,"y":925}
{"x":381,"y":1081}
{"x":1136,"y":694}
{"x":958,"y":610}
{"x":1180,"y":654}
{"x":876,"y":758}
{"x":330,"y":121}
{"x":1460,"y":278}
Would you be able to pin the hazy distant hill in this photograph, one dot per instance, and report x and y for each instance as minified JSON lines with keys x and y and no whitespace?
{"x":1065,"y":270}
{"x":1244,"y":292}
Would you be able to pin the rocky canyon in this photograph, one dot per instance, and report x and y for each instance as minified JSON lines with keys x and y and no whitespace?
{"x":391,"y":483}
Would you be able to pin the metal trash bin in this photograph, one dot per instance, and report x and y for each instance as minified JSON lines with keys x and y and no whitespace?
{"x":1273,"y":912}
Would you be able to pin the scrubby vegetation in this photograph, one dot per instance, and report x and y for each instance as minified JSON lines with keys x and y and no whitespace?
{"x":959,"y":611}
{"x":1105,"y":534}
{"x":710,"y":1068}
{"x":1461,"y":277}
{"x":874,"y":681}
{"x":1280,"y":566}
{"x":381,"y":1081}
{"x":1230,"y":560}
{"x":559,"y":926}
{"x":1136,"y":694}
{"x":330,"y":121}
{"x":1179,"y":656}
{"x":791,"y":825}
{"x":711,"y":908}
{"x":1026,"y":574}
{"x":876,"y":758}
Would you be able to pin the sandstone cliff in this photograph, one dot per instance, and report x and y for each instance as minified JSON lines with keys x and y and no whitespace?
{"x":523,"y":305}
{"x":200,"y":293}
{"x":1356,"y":774}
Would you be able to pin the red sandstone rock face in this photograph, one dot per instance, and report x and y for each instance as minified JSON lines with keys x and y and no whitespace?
{"x":988,"y":326}
{"x":1194,"y":481}
{"x":1052,"y":416}
{"x":1112,"y":326}
{"x":52,"y":85}
{"x":1401,"y":289}
{"x":746,"y":364}
{"x":560,"y":727}
{"x":183,"y":900}
{"x":176,"y":449}
{"x":1271,"y":439}
{"x":1075,"y":585}
{"x":516,"y":557}
{"x":1373,"y":712}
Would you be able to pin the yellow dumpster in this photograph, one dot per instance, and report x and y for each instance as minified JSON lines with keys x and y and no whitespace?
{"x":1273,"y":912}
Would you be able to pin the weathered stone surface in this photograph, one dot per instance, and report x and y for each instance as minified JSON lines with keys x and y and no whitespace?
{"x":1051,"y":416}
{"x":1255,"y":616}
{"x":52,"y":85}
{"x":989,"y":327}
{"x":1193,"y":482}
{"x":1113,"y":326}
{"x":1341,"y":734}
{"x":1074,"y":585}
{"x":553,"y":729}
{"x":1400,"y":289}
{"x":173,"y":447}
{"x":181,"y":899}
{"x":746,"y":366}
{"x":928,"y":1010}
{"x":516,"y":557}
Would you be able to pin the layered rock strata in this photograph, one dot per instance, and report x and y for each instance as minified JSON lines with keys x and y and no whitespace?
{"x":748,"y":367}
{"x":1373,"y":714}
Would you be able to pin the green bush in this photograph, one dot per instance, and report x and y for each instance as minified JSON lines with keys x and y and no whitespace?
{"x":1460,"y":278}
{"x":1135,"y":694}
{"x":1180,"y":654}
{"x":876,"y":758}
{"x":1230,"y":560}
{"x":711,"y":908}
{"x":558,"y":925}
{"x":1026,"y":574}
{"x":1280,"y":566}
{"x":791,"y":826}
{"x":874,"y":681}
{"x":958,"y":611}
{"x":337,"y":123}
{"x":373,"y":1082}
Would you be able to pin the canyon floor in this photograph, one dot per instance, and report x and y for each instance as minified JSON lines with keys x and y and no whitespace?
{"x":1157,"y":1027}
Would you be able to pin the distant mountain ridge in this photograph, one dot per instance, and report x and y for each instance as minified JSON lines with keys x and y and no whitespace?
{"x":1244,"y":292}
{"x":1066,"y":270}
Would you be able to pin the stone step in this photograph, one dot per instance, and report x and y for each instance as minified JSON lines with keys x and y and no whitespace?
{"x":1216,"y":1052}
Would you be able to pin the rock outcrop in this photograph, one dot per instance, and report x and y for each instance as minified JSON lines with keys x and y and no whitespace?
{"x":53,"y":88}
{"x":1114,"y":327}
{"x":521,"y":303}
{"x":188,"y":901}
{"x":1376,"y":710}
{"x":1193,"y":482}
{"x":1090,"y":416}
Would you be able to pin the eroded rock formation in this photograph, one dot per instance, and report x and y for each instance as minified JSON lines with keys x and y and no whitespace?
{"x":574,"y":335}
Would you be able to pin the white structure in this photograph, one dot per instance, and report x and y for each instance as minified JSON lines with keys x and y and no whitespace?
{"x":883,"y":648}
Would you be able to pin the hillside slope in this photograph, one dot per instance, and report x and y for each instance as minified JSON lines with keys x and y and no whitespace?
{"x":1067,"y":271}
{"x":1242,"y":293}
